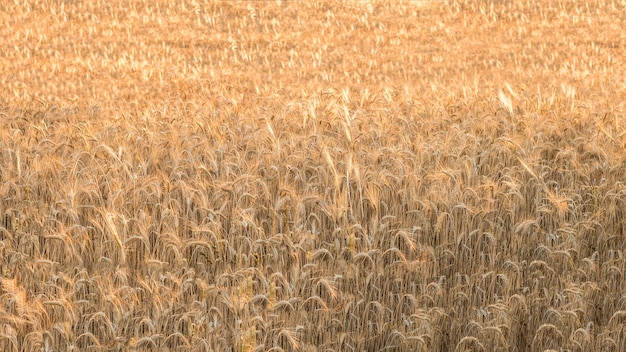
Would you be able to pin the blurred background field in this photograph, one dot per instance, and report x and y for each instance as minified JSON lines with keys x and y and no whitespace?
{"x":119,"y":52}
{"x":312,"y":176}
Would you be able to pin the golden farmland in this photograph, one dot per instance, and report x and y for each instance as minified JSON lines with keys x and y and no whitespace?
{"x":312,"y":176}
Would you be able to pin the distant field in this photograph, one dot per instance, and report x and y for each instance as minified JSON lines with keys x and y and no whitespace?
{"x":312,"y":176}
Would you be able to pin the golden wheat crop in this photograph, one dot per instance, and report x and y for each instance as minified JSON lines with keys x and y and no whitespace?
{"x":203,"y":175}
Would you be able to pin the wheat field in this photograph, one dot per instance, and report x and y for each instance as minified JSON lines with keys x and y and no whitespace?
{"x":203,"y":175}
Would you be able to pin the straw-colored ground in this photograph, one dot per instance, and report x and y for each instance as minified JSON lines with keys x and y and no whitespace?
{"x":312,"y":176}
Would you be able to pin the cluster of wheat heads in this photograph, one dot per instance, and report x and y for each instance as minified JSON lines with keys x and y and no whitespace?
{"x":337,"y":221}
